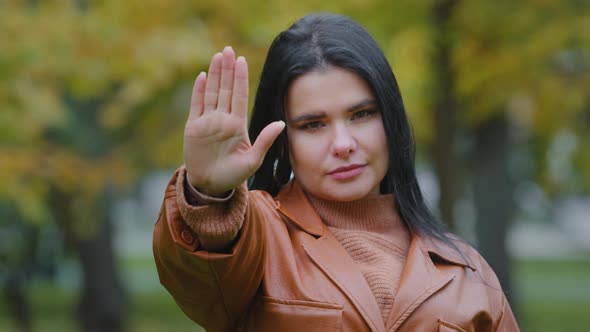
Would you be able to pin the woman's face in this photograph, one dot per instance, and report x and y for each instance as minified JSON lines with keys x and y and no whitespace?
{"x":337,"y":143}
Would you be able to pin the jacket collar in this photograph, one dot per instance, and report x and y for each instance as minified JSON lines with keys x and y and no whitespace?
{"x":441,"y":252}
{"x":293,"y":203}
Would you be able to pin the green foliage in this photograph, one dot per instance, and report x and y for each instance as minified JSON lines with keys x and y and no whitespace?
{"x":92,"y":95}
{"x":530,"y":59}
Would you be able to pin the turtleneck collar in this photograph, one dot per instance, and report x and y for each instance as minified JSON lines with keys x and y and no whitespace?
{"x":373,"y":213}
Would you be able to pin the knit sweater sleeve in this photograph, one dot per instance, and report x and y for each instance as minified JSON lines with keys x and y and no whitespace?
{"x":215,"y":221}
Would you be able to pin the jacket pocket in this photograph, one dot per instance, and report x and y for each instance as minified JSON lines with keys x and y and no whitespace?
{"x":444,"y":326}
{"x":273,"y":314}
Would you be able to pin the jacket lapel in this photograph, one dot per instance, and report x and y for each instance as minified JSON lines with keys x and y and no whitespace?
{"x":329,"y":254}
{"x":293,"y":203}
{"x":420,"y":280}
{"x":333,"y":259}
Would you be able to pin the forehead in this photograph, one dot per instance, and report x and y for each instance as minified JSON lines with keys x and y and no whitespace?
{"x":329,"y":90}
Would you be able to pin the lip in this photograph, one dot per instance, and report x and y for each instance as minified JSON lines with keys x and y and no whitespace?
{"x":346,"y":172}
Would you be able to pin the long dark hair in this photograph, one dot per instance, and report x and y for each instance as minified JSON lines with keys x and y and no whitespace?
{"x":313,"y":43}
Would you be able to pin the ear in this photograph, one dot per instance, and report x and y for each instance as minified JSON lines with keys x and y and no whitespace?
{"x":283,"y":168}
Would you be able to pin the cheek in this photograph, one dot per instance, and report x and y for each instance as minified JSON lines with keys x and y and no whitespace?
{"x":296,"y":156}
{"x":303,"y":155}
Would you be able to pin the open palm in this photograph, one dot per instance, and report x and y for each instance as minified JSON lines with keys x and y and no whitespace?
{"x":217,"y":151}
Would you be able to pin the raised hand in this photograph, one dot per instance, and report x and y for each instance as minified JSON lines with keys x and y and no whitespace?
{"x":218,"y":154}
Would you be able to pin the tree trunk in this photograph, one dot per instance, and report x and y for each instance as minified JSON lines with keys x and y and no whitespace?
{"x":444,"y":152}
{"x":17,"y":251}
{"x":493,"y":190}
{"x":18,"y":303}
{"x":101,"y":307}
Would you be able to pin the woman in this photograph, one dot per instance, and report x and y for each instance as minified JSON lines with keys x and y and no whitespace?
{"x":334,"y":234}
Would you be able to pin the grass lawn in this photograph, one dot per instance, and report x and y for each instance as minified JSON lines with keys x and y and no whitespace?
{"x":53,"y":310}
{"x":554,"y":296}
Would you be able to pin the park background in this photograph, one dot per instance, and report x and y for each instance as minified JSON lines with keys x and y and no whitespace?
{"x":94,"y":96}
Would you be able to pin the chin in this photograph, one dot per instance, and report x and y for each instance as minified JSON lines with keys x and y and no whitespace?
{"x":344,"y":195}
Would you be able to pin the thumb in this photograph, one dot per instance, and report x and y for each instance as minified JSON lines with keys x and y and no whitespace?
{"x":265,"y":139}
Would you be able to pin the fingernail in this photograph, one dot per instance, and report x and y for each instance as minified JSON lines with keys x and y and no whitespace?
{"x":227,"y":48}
{"x":241,"y":57}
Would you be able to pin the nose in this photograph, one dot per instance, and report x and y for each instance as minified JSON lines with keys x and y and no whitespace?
{"x":343,"y":143}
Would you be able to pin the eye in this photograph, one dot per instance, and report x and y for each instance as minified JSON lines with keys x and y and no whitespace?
{"x":311,"y":125}
{"x":364,"y":113}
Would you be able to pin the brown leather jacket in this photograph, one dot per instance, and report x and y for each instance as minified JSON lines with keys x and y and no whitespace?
{"x":287,"y":272}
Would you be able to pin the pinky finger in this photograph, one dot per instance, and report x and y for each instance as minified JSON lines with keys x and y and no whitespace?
{"x":198,"y":96}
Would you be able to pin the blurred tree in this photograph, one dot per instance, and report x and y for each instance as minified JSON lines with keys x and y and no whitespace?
{"x":91,"y":96}
{"x":503,"y":59}
{"x":16,"y":254}
{"x":444,"y":109}
{"x":497,"y":77}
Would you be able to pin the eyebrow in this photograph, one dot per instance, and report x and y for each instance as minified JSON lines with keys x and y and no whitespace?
{"x":316,"y":115}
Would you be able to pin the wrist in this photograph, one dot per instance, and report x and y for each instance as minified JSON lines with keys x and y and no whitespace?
{"x":207,"y":192}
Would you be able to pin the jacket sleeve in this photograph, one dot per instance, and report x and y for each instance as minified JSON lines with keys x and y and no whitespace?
{"x":212,"y":288}
{"x":500,"y":318}
{"x":507,"y":322}
{"x":504,"y":320}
